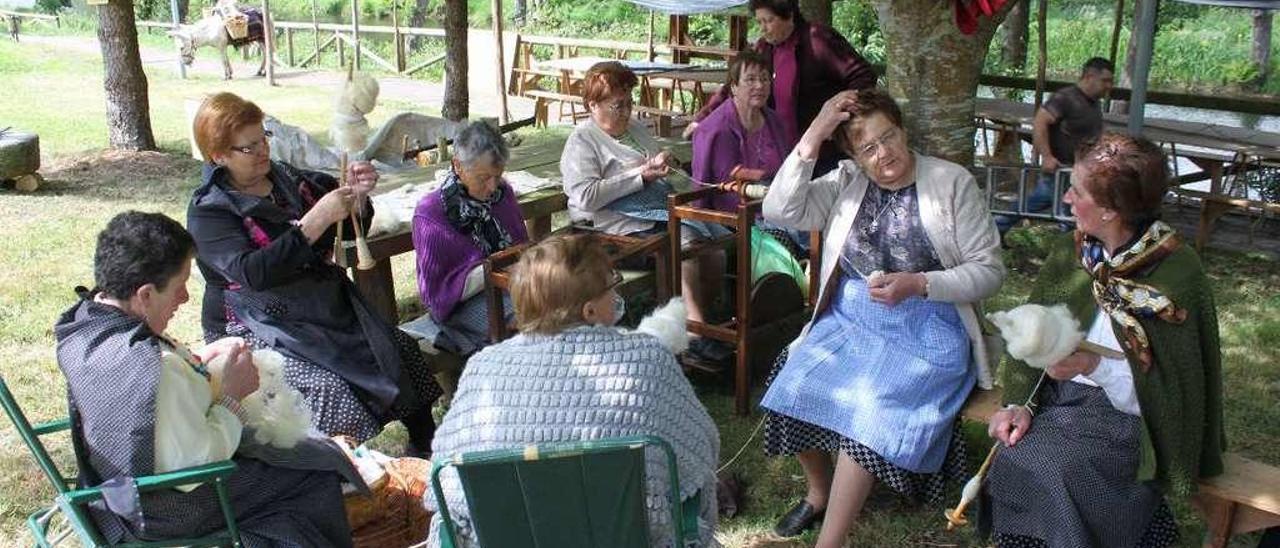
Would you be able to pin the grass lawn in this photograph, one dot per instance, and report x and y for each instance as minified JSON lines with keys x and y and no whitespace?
{"x":46,"y":245}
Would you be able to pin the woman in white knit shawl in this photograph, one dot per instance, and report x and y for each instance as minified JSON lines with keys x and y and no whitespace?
{"x":586,"y":379}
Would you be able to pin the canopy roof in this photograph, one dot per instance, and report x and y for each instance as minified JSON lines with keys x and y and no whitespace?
{"x":687,"y":7}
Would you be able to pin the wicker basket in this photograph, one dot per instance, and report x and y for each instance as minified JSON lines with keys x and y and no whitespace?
{"x":393,"y":516}
{"x":237,"y":26}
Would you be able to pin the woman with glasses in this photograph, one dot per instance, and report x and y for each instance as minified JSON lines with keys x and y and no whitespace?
{"x":894,"y":348}
{"x":811,"y":62}
{"x":743,"y":131}
{"x":571,"y":376}
{"x":264,"y":234}
{"x":614,"y":173}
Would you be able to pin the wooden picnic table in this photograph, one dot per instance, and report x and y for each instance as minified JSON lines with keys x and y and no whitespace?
{"x":542,"y":159}
{"x":1215,"y":149}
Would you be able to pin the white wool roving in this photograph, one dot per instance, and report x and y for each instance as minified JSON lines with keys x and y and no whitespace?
{"x":275,"y":411}
{"x":1037,"y":334}
{"x":667,"y":323}
{"x":350,"y":129}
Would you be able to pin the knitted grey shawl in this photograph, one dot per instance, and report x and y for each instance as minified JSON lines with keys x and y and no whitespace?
{"x":585,"y":383}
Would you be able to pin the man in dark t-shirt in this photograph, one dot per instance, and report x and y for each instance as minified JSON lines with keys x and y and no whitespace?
{"x":1071,"y":117}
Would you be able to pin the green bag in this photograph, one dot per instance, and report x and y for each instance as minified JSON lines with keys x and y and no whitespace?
{"x":769,"y":255}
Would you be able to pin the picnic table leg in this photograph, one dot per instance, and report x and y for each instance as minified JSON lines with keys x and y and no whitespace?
{"x":1208,"y":215}
{"x":1218,"y":515}
{"x":378,"y":287}
{"x":538,"y":227}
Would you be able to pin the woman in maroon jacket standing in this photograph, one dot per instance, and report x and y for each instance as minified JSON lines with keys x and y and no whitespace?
{"x":811,"y":64}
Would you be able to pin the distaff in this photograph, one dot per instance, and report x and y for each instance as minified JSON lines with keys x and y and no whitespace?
{"x":350,"y":131}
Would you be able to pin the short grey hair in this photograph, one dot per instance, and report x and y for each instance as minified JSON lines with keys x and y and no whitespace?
{"x":478,"y":140}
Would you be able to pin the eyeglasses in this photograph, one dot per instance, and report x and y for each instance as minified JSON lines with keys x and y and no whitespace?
{"x":757,"y":80}
{"x":253,"y":148}
{"x":619,"y":106}
{"x":870,"y":150}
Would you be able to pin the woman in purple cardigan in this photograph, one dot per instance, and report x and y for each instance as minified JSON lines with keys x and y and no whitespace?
{"x":742,"y":131}
{"x":811,"y":64}
{"x":471,"y":216}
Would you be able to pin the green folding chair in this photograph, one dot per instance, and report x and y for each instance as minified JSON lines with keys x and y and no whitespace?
{"x":572,"y":494}
{"x":73,"y":502}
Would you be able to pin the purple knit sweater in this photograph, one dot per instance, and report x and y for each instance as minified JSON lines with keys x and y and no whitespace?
{"x":445,"y":256}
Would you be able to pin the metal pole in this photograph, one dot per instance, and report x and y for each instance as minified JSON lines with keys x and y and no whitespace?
{"x":1115,"y":43}
{"x":1146,"y":26}
{"x":355,"y":33}
{"x":173,"y":10}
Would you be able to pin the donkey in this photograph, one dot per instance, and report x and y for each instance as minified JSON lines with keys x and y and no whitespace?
{"x":211,"y":31}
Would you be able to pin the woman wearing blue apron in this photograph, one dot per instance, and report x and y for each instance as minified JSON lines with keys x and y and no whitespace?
{"x":894,"y":349}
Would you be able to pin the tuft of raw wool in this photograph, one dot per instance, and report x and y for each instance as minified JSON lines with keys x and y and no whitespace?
{"x":1037,"y":334}
{"x":667,"y":324}
{"x":275,"y":411}
{"x":350,"y":129}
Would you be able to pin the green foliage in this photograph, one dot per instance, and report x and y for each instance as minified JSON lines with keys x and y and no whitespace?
{"x":1197,"y":48}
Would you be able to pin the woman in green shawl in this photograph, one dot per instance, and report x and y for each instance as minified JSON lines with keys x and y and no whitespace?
{"x":1104,"y":441}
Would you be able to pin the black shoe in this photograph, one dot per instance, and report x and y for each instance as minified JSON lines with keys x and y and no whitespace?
{"x":801,"y":517}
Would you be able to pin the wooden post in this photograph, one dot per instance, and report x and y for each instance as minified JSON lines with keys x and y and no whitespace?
{"x":268,"y":43}
{"x":397,"y":43}
{"x":355,"y":33}
{"x":342,"y":51}
{"x":173,"y":10}
{"x":652,"y":16}
{"x":1115,"y":43}
{"x":315,"y":29}
{"x":504,"y":115}
{"x":288,"y":44}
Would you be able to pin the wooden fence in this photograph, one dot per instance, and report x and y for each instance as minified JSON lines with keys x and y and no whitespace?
{"x":339,"y":38}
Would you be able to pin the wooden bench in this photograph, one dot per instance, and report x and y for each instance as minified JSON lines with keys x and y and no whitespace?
{"x":1214,"y":206}
{"x":1243,"y":499}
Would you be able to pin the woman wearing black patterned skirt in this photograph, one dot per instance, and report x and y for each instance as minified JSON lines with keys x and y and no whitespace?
{"x":1091,"y":461}
{"x":894,"y":349}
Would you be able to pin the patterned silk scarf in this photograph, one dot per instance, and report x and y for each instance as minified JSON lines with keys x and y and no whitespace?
{"x":474,"y":217}
{"x":1125,"y":300}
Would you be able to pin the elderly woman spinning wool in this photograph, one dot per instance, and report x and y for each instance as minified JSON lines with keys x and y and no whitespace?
{"x":1090,"y":461}
{"x":143,"y":404}
{"x":264,"y":233}
{"x":474,"y":214}
{"x":615,"y":176}
{"x":588,"y":380}
{"x":894,"y":348}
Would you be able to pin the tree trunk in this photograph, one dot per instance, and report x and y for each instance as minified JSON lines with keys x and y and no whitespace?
{"x":816,"y":10}
{"x":1261,"y":54}
{"x":128,"y":116}
{"x":1013,"y":50}
{"x":1125,"y":79}
{"x":418,"y":19}
{"x":932,"y":70}
{"x":455,"y":60}
{"x":184,"y":7}
{"x":521,"y":13}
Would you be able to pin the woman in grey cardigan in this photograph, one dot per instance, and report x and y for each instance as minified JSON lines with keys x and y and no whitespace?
{"x":571,"y":376}
{"x":615,"y":176}
{"x":894,"y":347}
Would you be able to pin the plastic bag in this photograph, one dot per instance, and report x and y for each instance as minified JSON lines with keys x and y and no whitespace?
{"x":769,"y":255}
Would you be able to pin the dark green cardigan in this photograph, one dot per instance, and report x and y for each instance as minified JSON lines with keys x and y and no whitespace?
{"x":1181,"y":395}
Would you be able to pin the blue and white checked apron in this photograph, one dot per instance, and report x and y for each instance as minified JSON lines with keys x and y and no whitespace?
{"x":890,"y":378}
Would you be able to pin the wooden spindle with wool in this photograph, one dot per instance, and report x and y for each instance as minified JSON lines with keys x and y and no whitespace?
{"x":339,"y":250}
{"x":364,"y":257}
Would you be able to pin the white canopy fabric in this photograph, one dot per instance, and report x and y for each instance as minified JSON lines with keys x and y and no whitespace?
{"x":687,"y":7}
